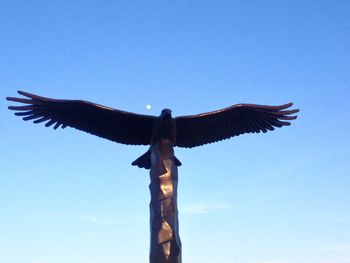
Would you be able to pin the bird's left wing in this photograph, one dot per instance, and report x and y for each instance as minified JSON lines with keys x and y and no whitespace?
{"x":116,"y":125}
{"x":196,"y":130}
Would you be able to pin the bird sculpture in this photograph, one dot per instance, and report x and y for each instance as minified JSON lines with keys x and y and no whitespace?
{"x":161,"y":133}
{"x":137,"y":129}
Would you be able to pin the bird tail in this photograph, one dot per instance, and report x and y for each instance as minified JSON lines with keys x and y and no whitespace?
{"x":144,"y":161}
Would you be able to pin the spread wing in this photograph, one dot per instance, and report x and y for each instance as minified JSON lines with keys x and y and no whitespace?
{"x":196,"y":130}
{"x":119,"y":126}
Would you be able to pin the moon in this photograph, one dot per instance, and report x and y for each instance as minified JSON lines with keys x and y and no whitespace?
{"x":148,"y":106}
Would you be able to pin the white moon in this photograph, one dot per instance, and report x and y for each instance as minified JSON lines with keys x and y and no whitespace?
{"x":148,"y":106}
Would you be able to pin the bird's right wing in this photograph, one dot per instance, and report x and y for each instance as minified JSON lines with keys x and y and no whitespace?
{"x":196,"y":130}
{"x":116,"y":125}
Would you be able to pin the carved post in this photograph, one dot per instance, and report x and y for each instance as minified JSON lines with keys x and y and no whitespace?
{"x":165,"y":239}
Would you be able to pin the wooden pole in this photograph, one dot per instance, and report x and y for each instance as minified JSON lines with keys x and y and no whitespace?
{"x":164,"y":223}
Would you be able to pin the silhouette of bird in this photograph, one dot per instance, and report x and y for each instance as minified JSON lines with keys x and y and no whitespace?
{"x":137,"y":129}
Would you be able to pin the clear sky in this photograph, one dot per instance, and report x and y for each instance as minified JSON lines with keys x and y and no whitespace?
{"x":281,"y":197}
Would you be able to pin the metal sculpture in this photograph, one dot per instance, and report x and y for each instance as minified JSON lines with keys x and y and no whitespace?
{"x":162,"y":133}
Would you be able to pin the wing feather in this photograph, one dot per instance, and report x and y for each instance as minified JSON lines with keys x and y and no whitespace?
{"x":196,"y":130}
{"x":116,"y":125}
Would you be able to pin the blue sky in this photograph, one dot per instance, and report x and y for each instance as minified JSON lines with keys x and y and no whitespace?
{"x":281,"y":197}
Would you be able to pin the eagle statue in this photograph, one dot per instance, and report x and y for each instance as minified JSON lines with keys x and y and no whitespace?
{"x":137,"y":129}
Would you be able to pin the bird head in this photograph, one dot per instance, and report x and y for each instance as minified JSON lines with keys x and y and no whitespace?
{"x":166,"y":113}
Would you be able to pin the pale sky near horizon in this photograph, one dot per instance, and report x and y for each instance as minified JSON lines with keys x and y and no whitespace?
{"x":280,"y":197}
